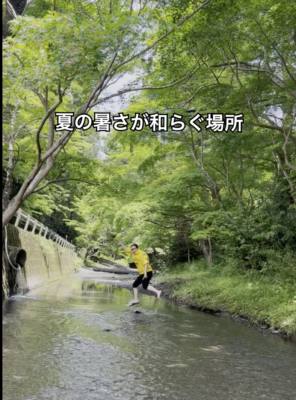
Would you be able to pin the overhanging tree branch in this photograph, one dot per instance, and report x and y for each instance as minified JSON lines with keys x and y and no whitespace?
{"x":71,"y":179}
{"x":121,"y":92}
{"x":181,"y":22}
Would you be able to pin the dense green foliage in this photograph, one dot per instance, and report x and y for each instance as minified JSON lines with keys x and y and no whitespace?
{"x":226,"y":197}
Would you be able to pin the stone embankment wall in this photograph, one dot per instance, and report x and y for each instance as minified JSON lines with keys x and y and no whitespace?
{"x":45,"y":261}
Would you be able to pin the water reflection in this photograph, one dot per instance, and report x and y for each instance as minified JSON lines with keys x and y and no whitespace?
{"x":77,"y":339}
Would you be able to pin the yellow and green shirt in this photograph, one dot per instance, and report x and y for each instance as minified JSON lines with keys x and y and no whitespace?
{"x":140,"y":258}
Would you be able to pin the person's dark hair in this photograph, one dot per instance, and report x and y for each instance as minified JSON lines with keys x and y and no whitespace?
{"x":135,"y":245}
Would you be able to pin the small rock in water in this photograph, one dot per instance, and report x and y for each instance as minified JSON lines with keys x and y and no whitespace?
{"x":138,"y":312}
{"x":176,"y":365}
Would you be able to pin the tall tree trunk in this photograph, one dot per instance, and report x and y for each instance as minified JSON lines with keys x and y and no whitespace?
{"x":188,"y":248}
{"x":206,"y":253}
{"x":210,"y":250}
{"x":9,"y":177}
{"x":13,"y":8}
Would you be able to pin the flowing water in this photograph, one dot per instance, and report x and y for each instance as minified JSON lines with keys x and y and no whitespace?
{"x":76,"y":339}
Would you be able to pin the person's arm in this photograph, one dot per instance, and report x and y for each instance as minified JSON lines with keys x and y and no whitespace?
{"x":122,"y":245}
{"x":145,"y":271}
{"x":146,"y":263}
{"x":126,"y":249}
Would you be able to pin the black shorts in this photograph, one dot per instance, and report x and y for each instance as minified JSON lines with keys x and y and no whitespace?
{"x":144,"y":282}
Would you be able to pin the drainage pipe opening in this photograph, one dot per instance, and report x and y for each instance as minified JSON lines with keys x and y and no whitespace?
{"x":17,"y":256}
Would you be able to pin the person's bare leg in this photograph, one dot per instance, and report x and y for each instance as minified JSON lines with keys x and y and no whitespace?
{"x":152,"y":288}
{"x":135,"y":300}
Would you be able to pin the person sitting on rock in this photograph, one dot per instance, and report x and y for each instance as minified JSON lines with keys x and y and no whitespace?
{"x":141,"y":260}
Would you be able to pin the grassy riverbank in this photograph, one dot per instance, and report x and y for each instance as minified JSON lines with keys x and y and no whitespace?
{"x":263,"y":299}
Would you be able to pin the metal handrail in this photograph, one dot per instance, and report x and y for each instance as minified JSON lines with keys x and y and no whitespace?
{"x":36,"y":225}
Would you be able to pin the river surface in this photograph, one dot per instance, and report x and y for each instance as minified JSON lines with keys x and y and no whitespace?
{"x":76,"y":339}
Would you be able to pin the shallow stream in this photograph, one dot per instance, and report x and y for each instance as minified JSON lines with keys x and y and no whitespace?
{"x":76,"y":339}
